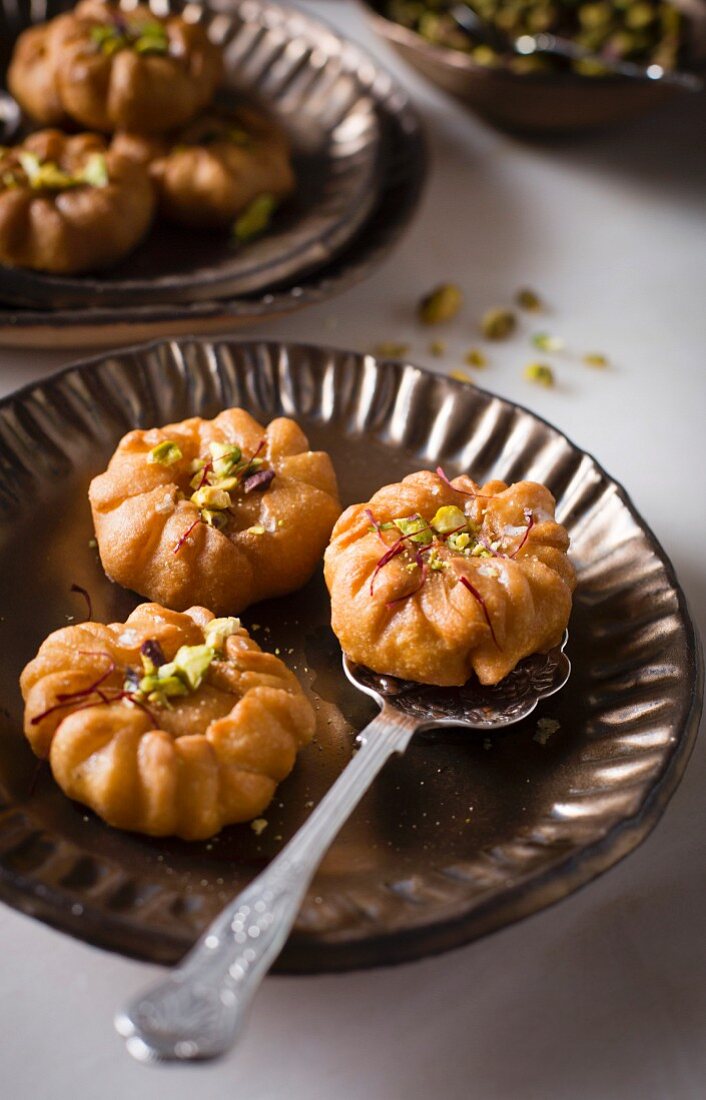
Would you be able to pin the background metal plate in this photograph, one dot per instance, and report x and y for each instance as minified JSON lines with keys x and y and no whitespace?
{"x":318,"y":88}
{"x":457,"y":838}
{"x":403,"y":172}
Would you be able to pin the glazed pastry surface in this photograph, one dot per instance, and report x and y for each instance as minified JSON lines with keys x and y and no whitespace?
{"x":436,"y":607}
{"x":211,"y":170}
{"x":110,"y":69}
{"x":167,"y":531}
{"x":70,"y":204}
{"x":186,"y":766}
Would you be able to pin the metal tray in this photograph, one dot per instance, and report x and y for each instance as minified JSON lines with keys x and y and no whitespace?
{"x":457,"y":838}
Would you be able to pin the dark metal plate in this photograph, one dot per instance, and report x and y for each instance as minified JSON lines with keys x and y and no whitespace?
{"x":403,"y":171}
{"x":319,"y":89}
{"x":463,"y":834}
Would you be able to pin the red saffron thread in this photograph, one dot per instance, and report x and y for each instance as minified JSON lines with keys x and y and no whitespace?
{"x":86,"y":595}
{"x":186,"y":534}
{"x":529,"y":516}
{"x":476,"y":595}
{"x":464,"y":492}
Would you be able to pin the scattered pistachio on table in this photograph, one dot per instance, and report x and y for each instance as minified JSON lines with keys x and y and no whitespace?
{"x":545,"y":341}
{"x":541,"y":373}
{"x":498,"y":324}
{"x":529,"y":300}
{"x":440,"y":305}
{"x":474,"y":357}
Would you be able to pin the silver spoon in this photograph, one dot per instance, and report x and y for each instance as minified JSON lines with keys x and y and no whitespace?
{"x":470,"y":22}
{"x":200,"y":1008}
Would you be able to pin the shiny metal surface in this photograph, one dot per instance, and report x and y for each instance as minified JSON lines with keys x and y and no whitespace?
{"x":435,"y":854}
{"x":320,"y":91}
{"x":402,"y":174}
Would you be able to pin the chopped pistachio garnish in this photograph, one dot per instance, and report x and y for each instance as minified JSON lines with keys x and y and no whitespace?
{"x":390,"y":350}
{"x":545,"y":341}
{"x":143,"y":37}
{"x":165,"y":453}
{"x":219,"y":629}
{"x":212,"y":497}
{"x":441,"y":304}
{"x":460,"y":376}
{"x":416,"y":528}
{"x":162,"y":682}
{"x":256,"y":530}
{"x":475,"y":358}
{"x":45,"y":175}
{"x":497,"y":324}
{"x":255,"y":219}
{"x":212,"y":518}
{"x":259,"y":825}
{"x":48,"y":176}
{"x":529,"y":300}
{"x":95,"y":171}
{"x":541,"y":373}
{"x":437,"y":348}
{"x":595,"y":359}
{"x":447,"y":519}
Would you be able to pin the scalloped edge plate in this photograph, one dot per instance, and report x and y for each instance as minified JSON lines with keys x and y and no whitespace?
{"x":392,"y":888}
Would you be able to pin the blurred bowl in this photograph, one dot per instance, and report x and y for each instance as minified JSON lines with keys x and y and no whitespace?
{"x":552,"y":103}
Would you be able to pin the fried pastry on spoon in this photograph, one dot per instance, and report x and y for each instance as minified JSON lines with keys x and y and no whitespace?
{"x":434,"y":580}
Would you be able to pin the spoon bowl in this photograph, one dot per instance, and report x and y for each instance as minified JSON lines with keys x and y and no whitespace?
{"x":474,"y":705}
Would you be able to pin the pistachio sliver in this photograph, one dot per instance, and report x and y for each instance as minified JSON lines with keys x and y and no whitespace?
{"x":447,"y":519}
{"x":166,"y":453}
{"x":441,"y":304}
{"x":210,"y":496}
{"x":219,"y":629}
{"x":255,"y":219}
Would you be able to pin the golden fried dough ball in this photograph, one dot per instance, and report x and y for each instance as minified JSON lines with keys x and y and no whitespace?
{"x":110,"y":69}
{"x":212,"y":170}
{"x":70,"y":204}
{"x":223,"y":512}
{"x":434,"y":580}
{"x":167,"y":724}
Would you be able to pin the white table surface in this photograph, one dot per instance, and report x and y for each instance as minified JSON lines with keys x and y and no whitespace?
{"x":603,"y":996}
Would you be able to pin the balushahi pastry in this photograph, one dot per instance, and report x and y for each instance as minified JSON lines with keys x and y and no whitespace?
{"x":70,"y":204}
{"x":110,"y":69}
{"x":221,"y":512}
{"x":434,"y":580}
{"x":217,"y":167}
{"x":167,"y":724}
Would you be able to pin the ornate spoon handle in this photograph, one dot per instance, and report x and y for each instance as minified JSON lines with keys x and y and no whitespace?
{"x":200,"y":1008}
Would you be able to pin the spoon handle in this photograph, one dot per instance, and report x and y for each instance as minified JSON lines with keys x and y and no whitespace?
{"x":199,"y":1010}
